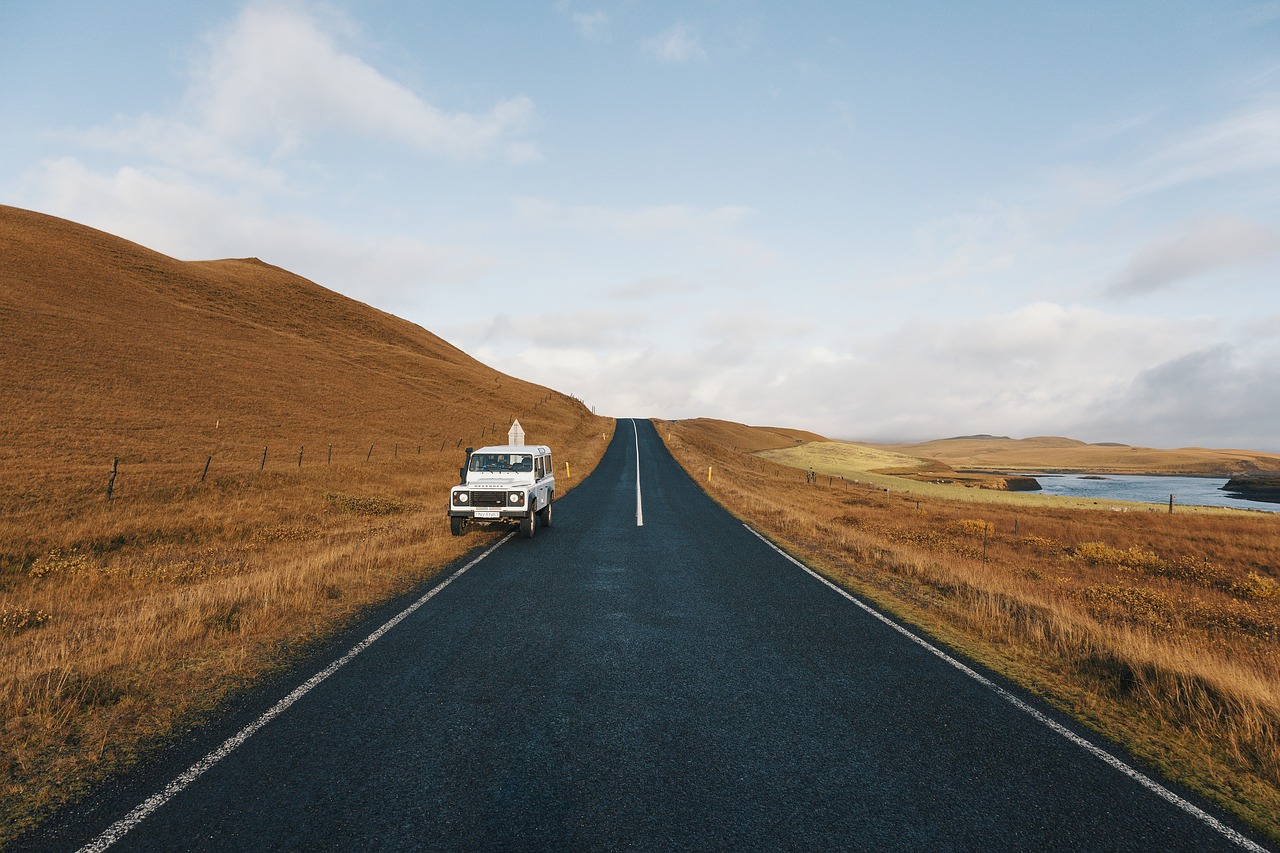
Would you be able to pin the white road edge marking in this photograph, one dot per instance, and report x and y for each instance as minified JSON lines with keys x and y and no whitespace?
{"x":639,"y":507}
{"x":1136,"y":775}
{"x":118,"y":829}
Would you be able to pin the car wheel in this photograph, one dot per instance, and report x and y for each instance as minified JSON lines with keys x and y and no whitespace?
{"x":544,"y":514}
{"x":529,"y":525}
{"x":456,"y":526}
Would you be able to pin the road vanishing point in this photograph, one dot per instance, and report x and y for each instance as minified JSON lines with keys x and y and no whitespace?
{"x":626,"y":681}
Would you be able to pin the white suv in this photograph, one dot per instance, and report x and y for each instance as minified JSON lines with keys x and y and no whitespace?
{"x":508,"y":484}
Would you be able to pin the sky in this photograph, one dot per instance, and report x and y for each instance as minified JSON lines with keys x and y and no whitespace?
{"x":883,"y":221}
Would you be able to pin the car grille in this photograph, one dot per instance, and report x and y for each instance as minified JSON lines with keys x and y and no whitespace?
{"x":488,"y":498}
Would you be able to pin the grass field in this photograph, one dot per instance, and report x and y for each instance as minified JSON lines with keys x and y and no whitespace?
{"x":1162,"y":631}
{"x":869,"y":465}
{"x":126,"y":619}
{"x":1066,"y":455}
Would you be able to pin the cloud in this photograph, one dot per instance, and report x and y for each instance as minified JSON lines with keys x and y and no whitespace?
{"x":562,"y":332}
{"x":1212,"y":396}
{"x":675,"y":46}
{"x":1042,"y":368}
{"x":190,"y":220}
{"x":651,"y":286}
{"x":714,"y":229}
{"x":1248,"y":141}
{"x":277,"y":77}
{"x":591,"y":25}
{"x":1201,"y":247}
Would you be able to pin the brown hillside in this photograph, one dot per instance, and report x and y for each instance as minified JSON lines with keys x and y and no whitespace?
{"x":110,"y":349}
{"x":1051,"y":453}
{"x":749,"y":439}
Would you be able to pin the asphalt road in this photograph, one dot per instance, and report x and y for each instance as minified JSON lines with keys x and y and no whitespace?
{"x":604,"y":685}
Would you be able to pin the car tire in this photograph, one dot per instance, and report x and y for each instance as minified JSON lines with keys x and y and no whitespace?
{"x":529,"y":525}
{"x":456,"y":525}
{"x":544,"y":514}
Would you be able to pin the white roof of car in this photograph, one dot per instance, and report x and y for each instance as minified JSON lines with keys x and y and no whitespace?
{"x":511,"y":448}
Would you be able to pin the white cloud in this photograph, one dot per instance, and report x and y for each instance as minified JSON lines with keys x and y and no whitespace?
{"x":1193,"y":250}
{"x":278,"y":77}
{"x":655,"y":286}
{"x":1212,"y":396}
{"x":1240,"y":144}
{"x":1042,"y":368}
{"x":1248,"y":141}
{"x":591,"y":25}
{"x":189,"y":220}
{"x":562,"y":332}
{"x":715,"y":229}
{"x":677,"y":45}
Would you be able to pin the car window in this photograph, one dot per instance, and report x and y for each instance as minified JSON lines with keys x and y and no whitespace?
{"x":502,"y":463}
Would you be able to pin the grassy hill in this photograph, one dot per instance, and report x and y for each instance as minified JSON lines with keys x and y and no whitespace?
{"x":994,"y":469}
{"x":749,"y":439}
{"x":124,"y":619}
{"x":111,"y":349}
{"x":1056,"y":454}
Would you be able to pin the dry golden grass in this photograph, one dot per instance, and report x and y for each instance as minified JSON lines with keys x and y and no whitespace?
{"x":748,"y":439}
{"x":875,"y":466}
{"x":124,"y":620}
{"x":1162,"y":631}
{"x":1050,"y":453}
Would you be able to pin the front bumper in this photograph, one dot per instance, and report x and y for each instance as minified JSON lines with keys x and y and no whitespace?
{"x":489,"y":513}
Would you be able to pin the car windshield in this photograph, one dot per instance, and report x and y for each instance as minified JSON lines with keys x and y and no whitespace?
{"x":519,"y":463}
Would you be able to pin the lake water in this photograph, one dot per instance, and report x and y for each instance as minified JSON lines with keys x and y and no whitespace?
{"x":1188,"y":491}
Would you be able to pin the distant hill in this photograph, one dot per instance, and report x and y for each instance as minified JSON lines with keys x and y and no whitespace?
{"x":111,"y":349}
{"x":1057,"y":454}
{"x":748,"y":439}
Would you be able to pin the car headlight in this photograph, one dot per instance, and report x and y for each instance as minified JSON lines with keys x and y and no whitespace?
{"x":459,"y":497}
{"x":516,"y":498}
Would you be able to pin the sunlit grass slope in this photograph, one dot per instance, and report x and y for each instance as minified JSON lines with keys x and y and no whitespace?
{"x":122,"y":619}
{"x":1056,"y":454}
{"x":748,"y":439}
{"x":1163,"y":631}
{"x":968,"y":475}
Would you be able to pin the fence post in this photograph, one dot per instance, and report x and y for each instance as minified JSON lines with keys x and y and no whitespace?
{"x":330,"y":462}
{"x":264,"y":460}
{"x":300,"y":456}
{"x":1170,"y":504}
{"x":205,"y":473}
{"x":369,"y":455}
{"x":111,"y":481}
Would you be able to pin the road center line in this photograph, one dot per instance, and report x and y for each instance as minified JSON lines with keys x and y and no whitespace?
{"x":639,"y":506}
{"x":140,"y":813}
{"x":1137,"y":776}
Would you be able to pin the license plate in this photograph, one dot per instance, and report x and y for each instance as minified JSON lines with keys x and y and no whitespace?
{"x":488,"y":513}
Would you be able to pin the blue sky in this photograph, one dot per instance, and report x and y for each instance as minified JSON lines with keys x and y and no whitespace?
{"x":877,"y":221}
